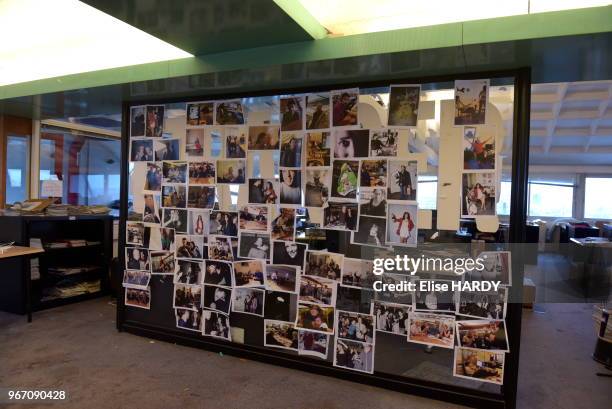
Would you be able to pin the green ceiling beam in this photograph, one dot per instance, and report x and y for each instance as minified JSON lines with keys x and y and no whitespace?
{"x":297,"y":12}
{"x":562,"y":23}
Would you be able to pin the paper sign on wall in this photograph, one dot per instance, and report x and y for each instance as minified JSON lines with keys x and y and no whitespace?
{"x":52,"y":188}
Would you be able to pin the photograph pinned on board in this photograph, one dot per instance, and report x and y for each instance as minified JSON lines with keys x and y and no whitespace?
{"x":317,"y":290}
{"x":229,"y":113}
{"x":161,"y":238}
{"x":383,"y":142}
{"x":217,"y":298}
{"x":200,"y":113}
{"x":355,"y":326}
{"x":235,"y":142}
{"x":136,"y":279}
{"x":371,"y":231}
{"x":483,"y":334}
{"x":290,"y":187}
{"x":478,"y":149}
{"x":175,"y":219}
{"x":403,"y":105}
{"x":280,"y":334}
{"x":317,"y":111}
{"x":174,"y":196}
{"x":155,"y":121}
{"x":351,"y":143}
{"x":201,"y":197}
{"x":490,"y":304}
{"x":402,"y":225}
{"x":263,"y":191}
{"x":279,"y":277}
{"x":318,"y":149}
{"x":166,"y":149}
{"x":345,"y":179}
{"x":280,"y":306}
{"x":292,"y":113}
{"x":479,"y":365}
{"x":174,"y":172}
{"x":202,"y":173}
{"x":248,"y":301}
{"x":283,"y":225}
{"x":249,"y":273}
{"x":137,"y":121}
{"x":136,"y":259}
{"x":188,"y":319}
{"x":432,"y":329}
{"x":151,"y":214}
{"x":194,"y":143}
{"x":264,"y":137}
{"x":198,"y":222}
{"x":471,"y":97}
{"x":312,"y":343}
{"x":340,"y":216}
{"x":218,"y":273}
{"x":220,"y":248}
{"x":190,"y":247}
{"x":391,"y":318}
{"x":254,"y":245}
{"x":345,"y":107}
{"x":315,"y":317}
{"x":216,"y":325}
{"x":187,"y":296}
{"x":354,"y":355}
{"x":189,"y":272}
{"x":316,"y":192}
{"x":357,"y":273}
{"x":323,"y":264}
{"x":231,"y":171}
{"x":497,"y":266}
{"x":162,"y":263}
{"x":288,"y":252}
{"x":153,"y":177}
{"x":136,"y":297}
{"x":254,"y":218}
{"x":223,"y":223}
{"x":402,"y":180}
{"x":141,"y":150}
{"x":479,"y":194}
{"x":435,"y":301}
{"x":373,"y":173}
{"x":135,"y":234}
{"x":291,"y":150}
{"x":373,"y":202}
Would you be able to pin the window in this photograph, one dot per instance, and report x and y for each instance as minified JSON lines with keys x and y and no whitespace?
{"x":503,"y":205}
{"x":550,"y":200}
{"x":427,"y":192}
{"x":17,"y":168}
{"x":597,"y":198}
{"x":87,"y":165}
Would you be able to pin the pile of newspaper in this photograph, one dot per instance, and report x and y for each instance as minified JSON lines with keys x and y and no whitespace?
{"x":72,"y":210}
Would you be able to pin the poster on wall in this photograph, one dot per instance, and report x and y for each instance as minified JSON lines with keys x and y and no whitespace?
{"x":317,"y":111}
{"x":478,"y":148}
{"x":229,"y":113}
{"x":200,"y":113}
{"x":155,"y":121}
{"x":345,"y":107}
{"x":471,"y":97}
{"x":478,"y":196}
{"x":403,"y":105}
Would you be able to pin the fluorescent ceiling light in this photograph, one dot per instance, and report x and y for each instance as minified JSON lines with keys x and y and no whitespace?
{"x":51,"y":38}
{"x":347,"y":17}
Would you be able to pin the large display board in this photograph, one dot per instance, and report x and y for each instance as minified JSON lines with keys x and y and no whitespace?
{"x":215,"y":244}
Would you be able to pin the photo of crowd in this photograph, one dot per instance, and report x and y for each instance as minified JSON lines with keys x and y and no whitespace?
{"x":174,"y":172}
{"x":281,"y":278}
{"x":354,"y":355}
{"x":432,"y":329}
{"x":323,"y":264}
{"x":355,"y":326}
{"x":136,"y":279}
{"x":357,"y":273}
{"x":483,"y":334}
{"x":490,"y":305}
{"x":201,"y":173}
{"x":187,"y":296}
{"x":391,"y":318}
{"x":201,"y":197}
{"x":373,"y":173}
{"x":479,"y":365}
{"x":229,"y":113}
{"x":317,"y":290}
{"x":136,"y":297}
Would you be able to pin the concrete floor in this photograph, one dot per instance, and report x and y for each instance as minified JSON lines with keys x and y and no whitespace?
{"x":76,"y":348}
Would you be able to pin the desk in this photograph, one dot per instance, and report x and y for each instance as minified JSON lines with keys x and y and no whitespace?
{"x":27,"y":253}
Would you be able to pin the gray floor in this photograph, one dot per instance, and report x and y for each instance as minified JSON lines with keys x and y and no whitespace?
{"x":76,"y":348}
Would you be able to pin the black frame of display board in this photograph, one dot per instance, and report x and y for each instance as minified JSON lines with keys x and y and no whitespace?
{"x":518,"y":210}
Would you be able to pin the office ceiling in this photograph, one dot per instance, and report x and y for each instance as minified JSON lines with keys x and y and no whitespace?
{"x":208,"y":26}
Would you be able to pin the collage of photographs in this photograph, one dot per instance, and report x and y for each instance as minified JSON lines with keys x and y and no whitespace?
{"x":246,"y":259}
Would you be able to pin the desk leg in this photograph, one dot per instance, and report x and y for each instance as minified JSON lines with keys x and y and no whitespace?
{"x":27,"y":274}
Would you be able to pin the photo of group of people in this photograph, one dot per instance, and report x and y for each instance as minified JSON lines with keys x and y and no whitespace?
{"x":245,"y":259}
